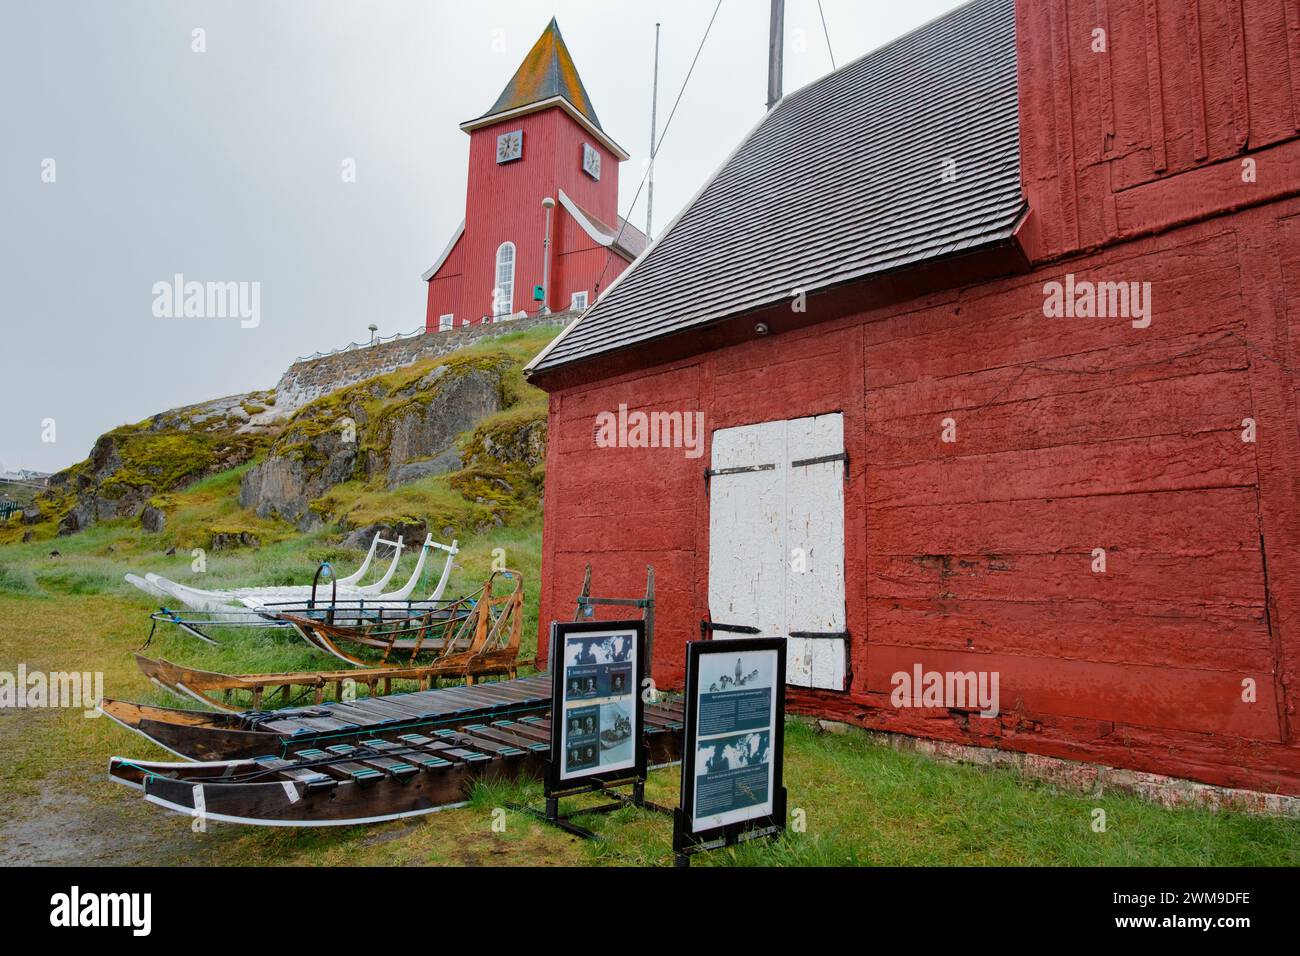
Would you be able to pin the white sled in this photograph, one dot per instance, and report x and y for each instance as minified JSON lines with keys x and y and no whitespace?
{"x":218,"y":600}
{"x":247,"y":607}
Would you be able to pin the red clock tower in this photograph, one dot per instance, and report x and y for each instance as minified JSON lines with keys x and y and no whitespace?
{"x":540,"y":141}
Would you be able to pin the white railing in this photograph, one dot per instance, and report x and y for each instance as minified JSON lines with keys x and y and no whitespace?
{"x":353,"y":346}
{"x":381,"y":339}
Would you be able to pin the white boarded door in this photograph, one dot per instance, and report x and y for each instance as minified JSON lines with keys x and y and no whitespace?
{"x":776,"y":541}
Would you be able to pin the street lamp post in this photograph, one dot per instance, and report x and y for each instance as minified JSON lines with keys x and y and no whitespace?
{"x":548,"y":204}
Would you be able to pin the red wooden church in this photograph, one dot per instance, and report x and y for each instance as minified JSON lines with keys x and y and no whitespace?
{"x":994,"y":337}
{"x":540,"y":141}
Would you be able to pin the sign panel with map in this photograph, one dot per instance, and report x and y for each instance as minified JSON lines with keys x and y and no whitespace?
{"x":731,"y":758}
{"x":596,"y":704}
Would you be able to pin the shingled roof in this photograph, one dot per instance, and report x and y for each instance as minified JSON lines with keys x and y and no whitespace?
{"x":841,"y":180}
{"x":623,"y":237}
{"x":548,"y":71}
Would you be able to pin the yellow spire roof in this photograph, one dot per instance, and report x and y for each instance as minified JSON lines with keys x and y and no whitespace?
{"x":547,"y":72}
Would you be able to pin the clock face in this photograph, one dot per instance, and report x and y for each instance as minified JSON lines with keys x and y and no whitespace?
{"x":510,"y":146}
{"x":590,"y":161}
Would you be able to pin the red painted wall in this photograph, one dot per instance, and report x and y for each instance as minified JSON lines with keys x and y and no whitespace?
{"x":446,"y":288}
{"x":1073,"y":434}
{"x":504,"y":203}
{"x":1153,"y":133}
{"x":580,"y":263}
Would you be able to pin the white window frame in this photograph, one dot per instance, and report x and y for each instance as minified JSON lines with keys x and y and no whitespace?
{"x":446,"y":322}
{"x":503,"y":293}
{"x":573,"y":300}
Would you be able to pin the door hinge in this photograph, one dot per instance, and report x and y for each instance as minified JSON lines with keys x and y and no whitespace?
{"x":743,"y":469}
{"x":706,"y":625}
{"x":821,"y":635}
{"x":842,"y":456}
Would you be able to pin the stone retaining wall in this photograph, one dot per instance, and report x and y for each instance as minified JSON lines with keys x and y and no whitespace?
{"x":309,"y":379}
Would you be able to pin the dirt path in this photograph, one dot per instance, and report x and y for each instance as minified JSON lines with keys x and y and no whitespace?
{"x":74,"y":816}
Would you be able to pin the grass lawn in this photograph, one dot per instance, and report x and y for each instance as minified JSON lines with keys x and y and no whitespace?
{"x":863,"y":803}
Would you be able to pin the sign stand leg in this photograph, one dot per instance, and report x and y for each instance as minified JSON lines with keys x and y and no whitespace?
{"x":637,"y":799}
{"x":564,"y":822}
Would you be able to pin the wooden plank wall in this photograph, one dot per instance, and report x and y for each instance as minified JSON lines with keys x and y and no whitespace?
{"x":1184,"y":86}
{"x":1074,"y":435}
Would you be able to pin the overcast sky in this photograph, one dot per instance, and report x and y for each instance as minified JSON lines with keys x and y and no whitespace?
{"x":226,"y":165}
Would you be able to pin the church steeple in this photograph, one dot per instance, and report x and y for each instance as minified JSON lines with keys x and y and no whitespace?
{"x":547,"y":71}
{"x":547,"y":77}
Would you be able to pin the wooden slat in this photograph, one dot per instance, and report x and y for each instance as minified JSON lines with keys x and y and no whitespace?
{"x":462,"y":754}
{"x":392,"y":766}
{"x":426,"y":761}
{"x":347,"y":770}
{"x":397,"y":708}
{"x":486,"y":745}
{"x":506,"y":737}
{"x":519,"y":729}
{"x":361,"y":718}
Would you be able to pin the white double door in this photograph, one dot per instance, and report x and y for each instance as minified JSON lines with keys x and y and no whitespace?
{"x":776,"y":541}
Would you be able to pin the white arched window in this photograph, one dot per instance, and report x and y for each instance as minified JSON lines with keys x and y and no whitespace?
{"x":503,"y":296}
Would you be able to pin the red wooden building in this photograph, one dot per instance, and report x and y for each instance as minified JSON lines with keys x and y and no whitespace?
{"x":540,"y":140}
{"x":993,"y":335}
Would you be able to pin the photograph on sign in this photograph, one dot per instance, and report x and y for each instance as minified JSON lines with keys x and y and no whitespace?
{"x":735,"y":726}
{"x":597,"y":715}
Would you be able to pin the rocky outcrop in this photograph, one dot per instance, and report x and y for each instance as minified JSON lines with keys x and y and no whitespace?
{"x":130,"y":465}
{"x":521,"y":441}
{"x":153,"y":520}
{"x":397,"y":429}
{"x":440,"y":464}
{"x":284,"y":485}
{"x":426,"y":430}
{"x":373,"y":419}
{"x":225,"y":540}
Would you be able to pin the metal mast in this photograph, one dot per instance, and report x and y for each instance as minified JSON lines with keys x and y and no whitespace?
{"x":775,"y":48}
{"x":654,"y":106}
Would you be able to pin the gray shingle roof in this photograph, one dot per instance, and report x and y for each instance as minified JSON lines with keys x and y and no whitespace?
{"x":842,"y":179}
{"x":626,"y":239}
{"x":630,"y":240}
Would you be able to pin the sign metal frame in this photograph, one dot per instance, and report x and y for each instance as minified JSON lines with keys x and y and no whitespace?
{"x":558,"y":783}
{"x":686,"y":839}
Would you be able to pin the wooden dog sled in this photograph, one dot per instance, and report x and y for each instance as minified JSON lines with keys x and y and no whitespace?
{"x":479,"y":627}
{"x":483,"y":641}
{"x":377,"y":777}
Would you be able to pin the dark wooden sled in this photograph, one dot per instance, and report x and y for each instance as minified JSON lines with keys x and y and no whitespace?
{"x":454,"y":635}
{"x":378,"y":776}
{"x":203,"y":735}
